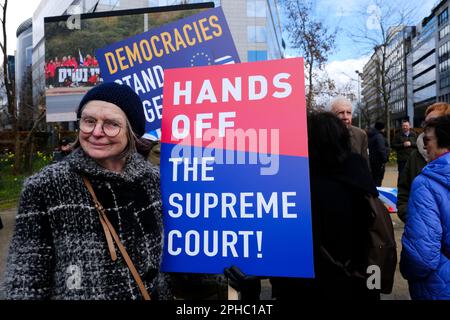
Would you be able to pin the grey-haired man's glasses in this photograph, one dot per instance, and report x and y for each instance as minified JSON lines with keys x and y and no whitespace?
{"x":110,"y":128}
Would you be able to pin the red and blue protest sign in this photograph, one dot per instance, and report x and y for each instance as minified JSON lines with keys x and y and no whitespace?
{"x":199,"y":40}
{"x":234,"y":170}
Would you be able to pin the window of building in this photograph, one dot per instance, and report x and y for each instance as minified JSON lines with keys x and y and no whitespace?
{"x":444,"y":56}
{"x":444,"y":98}
{"x":399,"y":107}
{"x":443,"y":17}
{"x":444,"y":82}
{"x":28,"y":56}
{"x":256,"y":34}
{"x":444,"y":31}
{"x":256,"y":55}
{"x":256,"y":8}
{"x":424,"y":79}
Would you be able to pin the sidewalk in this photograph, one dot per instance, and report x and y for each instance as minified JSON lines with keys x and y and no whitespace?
{"x":390,"y":176}
{"x":400,"y":290}
{"x":67,"y":90}
{"x":8,"y":219}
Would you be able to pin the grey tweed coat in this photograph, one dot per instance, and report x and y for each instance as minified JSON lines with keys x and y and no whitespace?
{"x":59,"y":250}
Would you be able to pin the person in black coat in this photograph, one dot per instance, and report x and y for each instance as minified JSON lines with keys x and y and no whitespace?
{"x":63,"y":248}
{"x":378,"y":153}
{"x":65,"y":148}
{"x":340,"y":216}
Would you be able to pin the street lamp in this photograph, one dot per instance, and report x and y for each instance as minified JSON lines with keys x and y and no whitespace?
{"x":359,"y":98}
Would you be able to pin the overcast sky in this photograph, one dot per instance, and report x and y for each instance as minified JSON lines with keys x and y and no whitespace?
{"x":350,"y":16}
{"x":17,"y":12}
{"x":343,"y":14}
{"x":346,"y":16}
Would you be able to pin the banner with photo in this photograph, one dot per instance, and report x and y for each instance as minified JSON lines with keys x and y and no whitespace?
{"x":71,"y":67}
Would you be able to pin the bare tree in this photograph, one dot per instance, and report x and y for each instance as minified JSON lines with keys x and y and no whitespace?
{"x":8,"y":82}
{"x":27,"y":119}
{"x":30,"y":119}
{"x":325,"y":89}
{"x":4,"y":113}
{"x":364,"y":113}
{"x":382,"y":27}
{"x":9,"y":85}
{"x":310,"y":38}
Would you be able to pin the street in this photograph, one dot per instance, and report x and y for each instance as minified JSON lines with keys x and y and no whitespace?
{"x":8,"y":217}
{"x":399,"y":292}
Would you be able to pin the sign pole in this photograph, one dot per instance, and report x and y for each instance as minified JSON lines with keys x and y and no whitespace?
{"x":232,"y":293}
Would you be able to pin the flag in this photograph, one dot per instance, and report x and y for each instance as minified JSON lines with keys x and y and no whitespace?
{"x":81,"y":57}
{"x":225,"y":60}
{"x":389,"y":198}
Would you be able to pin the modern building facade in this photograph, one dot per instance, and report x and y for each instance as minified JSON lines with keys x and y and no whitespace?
{"x":371,"y":105}
{"x":398,"y":83}
{"x":443,"y":45}
{"x":398,"y":77}
{"x":5,"y":117}
{"x":25,"y":109}
{"x":424,"y":67}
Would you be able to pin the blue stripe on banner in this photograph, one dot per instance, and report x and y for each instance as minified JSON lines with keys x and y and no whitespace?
{"x":389,"y":195}
{"x":285,"y":247}
{"x":389,"y":203}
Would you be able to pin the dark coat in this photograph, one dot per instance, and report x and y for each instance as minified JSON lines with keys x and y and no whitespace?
{"x":359,"y":142}
{"x":340,"y":216}
{"x":59,"y":250}
{"x":413,"y":167}
{"x":192,"y":286}
{"x":402,"y":151}
{"x":378,"y":149}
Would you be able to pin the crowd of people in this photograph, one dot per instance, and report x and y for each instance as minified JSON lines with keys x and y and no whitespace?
{"x":72,"y":62}
{"x":105,"y":195}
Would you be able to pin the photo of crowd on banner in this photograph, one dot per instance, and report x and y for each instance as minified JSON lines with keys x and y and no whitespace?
{"x":70,"y":71}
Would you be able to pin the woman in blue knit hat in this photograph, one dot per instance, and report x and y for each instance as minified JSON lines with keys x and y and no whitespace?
{"x":90,"y":226}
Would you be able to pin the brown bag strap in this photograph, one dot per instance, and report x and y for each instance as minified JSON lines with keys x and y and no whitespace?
{"x":111,"y":234}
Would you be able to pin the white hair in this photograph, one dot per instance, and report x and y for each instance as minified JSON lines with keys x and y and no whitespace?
{"x":337,"y":101}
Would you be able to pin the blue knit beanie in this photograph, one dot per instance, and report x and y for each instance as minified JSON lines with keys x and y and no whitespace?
{"x":122,"y":96}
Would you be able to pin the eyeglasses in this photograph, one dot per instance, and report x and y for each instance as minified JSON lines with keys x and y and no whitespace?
{"x":110,"y":128}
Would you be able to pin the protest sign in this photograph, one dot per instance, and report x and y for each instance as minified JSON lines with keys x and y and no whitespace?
{"x":234,"y":170}
{"x":71,"y":67}
{"x":198,"y":40}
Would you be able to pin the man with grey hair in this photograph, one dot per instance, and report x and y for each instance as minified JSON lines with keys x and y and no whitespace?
{"x":342,"y":107}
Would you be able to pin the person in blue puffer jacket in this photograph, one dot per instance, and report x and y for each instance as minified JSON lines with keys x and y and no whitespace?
{"x":425,"y":258}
